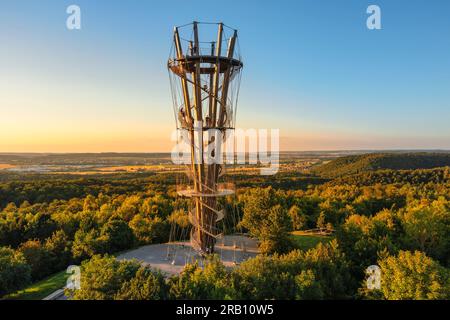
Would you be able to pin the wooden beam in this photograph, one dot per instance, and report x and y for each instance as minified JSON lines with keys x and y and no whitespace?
{"x":226,"y":80}
{"x":184,"y":83}
{"x":217,"y":73}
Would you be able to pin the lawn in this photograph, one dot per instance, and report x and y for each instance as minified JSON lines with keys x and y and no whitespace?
{"x":41,"y":289}
{"x":305,"y":241}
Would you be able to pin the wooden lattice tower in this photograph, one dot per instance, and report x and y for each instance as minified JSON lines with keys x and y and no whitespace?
{"x":205,"y":78}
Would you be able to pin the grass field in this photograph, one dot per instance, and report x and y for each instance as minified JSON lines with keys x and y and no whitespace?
{"x":305,"y":241}
{"x":41,"y":289}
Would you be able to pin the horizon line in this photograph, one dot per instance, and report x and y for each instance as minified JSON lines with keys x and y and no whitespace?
{"x":283,"y":151}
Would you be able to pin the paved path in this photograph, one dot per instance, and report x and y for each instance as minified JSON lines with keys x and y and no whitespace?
{"x":172,"y":257}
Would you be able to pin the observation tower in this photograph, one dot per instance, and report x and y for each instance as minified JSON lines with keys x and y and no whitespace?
{"x":205,"y":70}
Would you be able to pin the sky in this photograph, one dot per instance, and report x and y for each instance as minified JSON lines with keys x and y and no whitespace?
{"x":311,"y":69}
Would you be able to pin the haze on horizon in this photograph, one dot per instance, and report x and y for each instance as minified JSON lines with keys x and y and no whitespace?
{"x":311,"y":69}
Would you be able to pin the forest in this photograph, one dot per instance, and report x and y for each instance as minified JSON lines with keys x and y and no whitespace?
{"x":380,"y":209}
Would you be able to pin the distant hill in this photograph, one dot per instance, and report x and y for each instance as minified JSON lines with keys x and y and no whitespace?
{"x":380,"y":161}
{"x":413,"y":177}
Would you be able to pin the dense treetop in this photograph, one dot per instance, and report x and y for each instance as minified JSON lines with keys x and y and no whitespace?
{"x":376,"y":161}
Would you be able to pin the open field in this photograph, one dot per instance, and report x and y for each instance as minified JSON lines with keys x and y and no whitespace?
{"x":305,"y":241}
{"x":41,"y":289}
{"x":123,"y":169}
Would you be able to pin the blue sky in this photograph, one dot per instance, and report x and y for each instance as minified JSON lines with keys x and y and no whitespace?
{"x":312,"y":69}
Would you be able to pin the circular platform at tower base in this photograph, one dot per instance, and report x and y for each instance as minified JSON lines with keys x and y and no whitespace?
{"x":231,"y":249}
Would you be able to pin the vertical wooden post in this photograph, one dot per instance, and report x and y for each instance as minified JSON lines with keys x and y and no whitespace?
{"x":226,"y":80}
{"x":199,"y":117}
{"x":184,"y":82}
{"x":211,"y":85}
{"x":217,"y":74}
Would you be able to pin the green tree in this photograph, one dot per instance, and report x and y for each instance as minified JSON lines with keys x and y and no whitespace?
{"x":38,"y":257}
{"x":427,"y":228}
{"x":321,"y":223}
{"x":90,"y":204}
{"x":362,"y":239}
{"x":413,"y":276}
{"x":39,"y":226}
{"x":179,"y":217}
{"x":274,"y":231}
{"x":275,"y":277}
{"x":149,"y":229}
{"x":331,"y":269}
{"x":211,"y":282}
{"x":147,"y":284}
{"x":87,"y":243}
{"x":103,"y":277}
{"x":59,"y":247}
{"x":298,"y":219}
{"x":15,"y":273}
{"x":117,"y":235}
